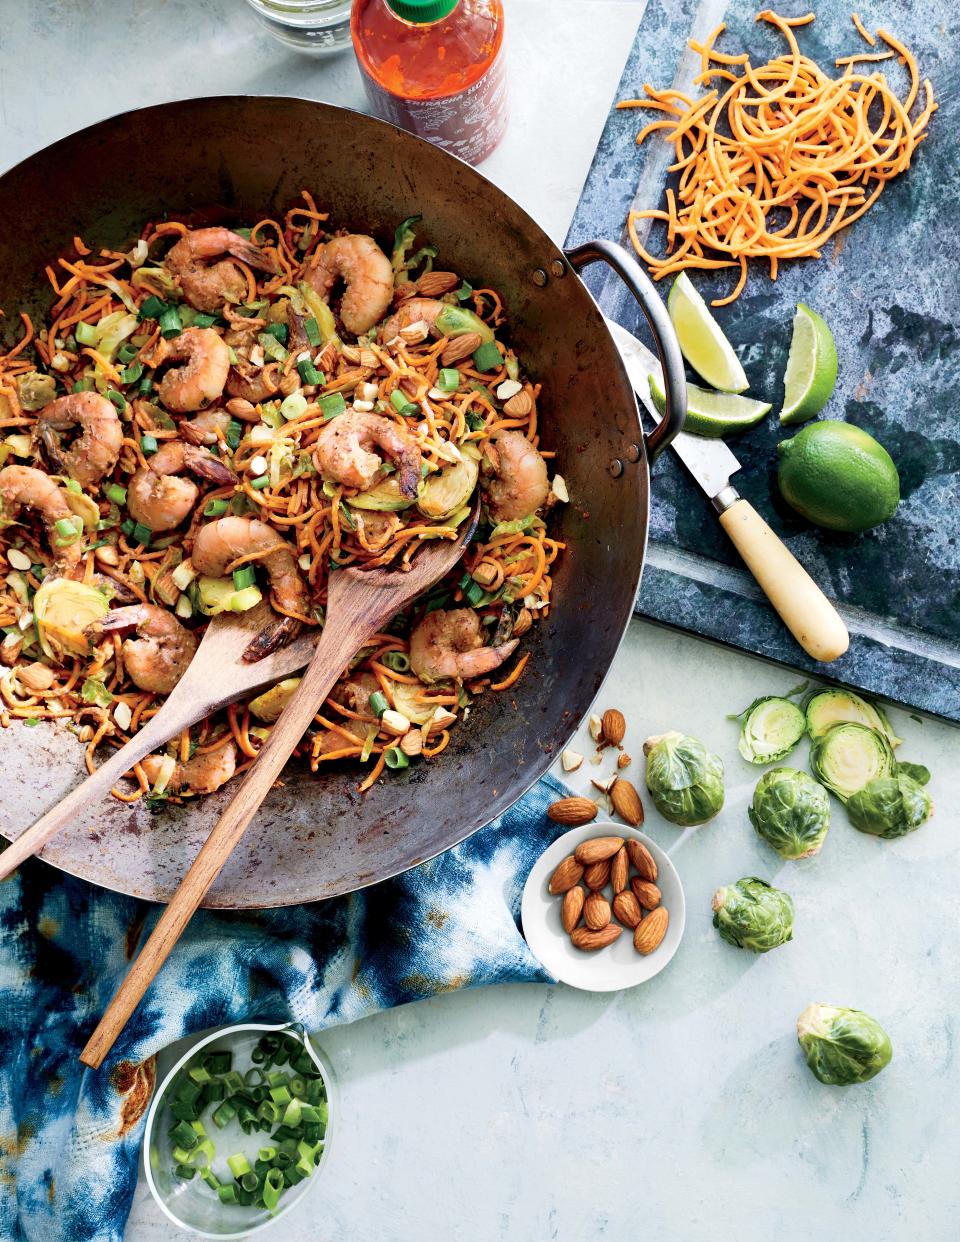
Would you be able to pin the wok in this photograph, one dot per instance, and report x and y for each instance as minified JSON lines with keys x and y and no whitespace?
{"x":234,"y":160}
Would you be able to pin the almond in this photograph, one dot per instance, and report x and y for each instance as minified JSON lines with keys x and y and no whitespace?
{"x":649,"y":934}
{"x":643,"y":861}
{"x":620,"y":870}
{"x":624,"y":760}
{"x":626,"y":908}
{"x":597,"y":874}
{"x":646,"y":893}
{"x":412,"y":743}
{"x":36,"y":678}
{"x":584,"y":938}
{"x":523,"y":622}
{"x":572,"y":811}
{"x":566,"y":875}
{"x":461,"y":347}
{"x":571,"y":760}
{"x":519,"y":406}
{"x":596,"y":911}
{"x":432,"y":284}
{"x":572,"y":908}
{"x":614,"y":726}
{"x":597,"y":849}
{"x":626,"y":802}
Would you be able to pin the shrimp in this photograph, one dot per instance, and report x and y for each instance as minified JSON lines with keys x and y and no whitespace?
{"x":157,"y":498}
{"x":517,"y":478}
{"x":203,"y":774}
{"x":253,"y":384}
{"x":32,"y":489}
{"x":209,"y":427}
{"x":221,"y":543}
{"x":95,"y":451}
{"x":449,"y":645}
{"x":160,"y":653}
{"x":413,"y":310}
{"x":200,"y":380}
{"x":207,"y":285}
{"x":365,"y":270}
{"x":343,"y":451}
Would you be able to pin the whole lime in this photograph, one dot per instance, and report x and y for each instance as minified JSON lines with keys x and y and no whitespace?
{"x":838,"y":476}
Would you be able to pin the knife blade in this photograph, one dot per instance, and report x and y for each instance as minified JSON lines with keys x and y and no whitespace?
{"x":709,"y":461}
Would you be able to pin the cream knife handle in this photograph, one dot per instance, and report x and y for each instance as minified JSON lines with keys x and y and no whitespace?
{"x":803,"y":607}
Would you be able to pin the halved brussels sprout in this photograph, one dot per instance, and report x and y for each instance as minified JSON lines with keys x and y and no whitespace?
{"x":847,"y":756}
{"x":684,"y":779}
{"x":754,"y":915}
{"x":84,"y":507}
{"x":216,"y":595}
{"x":320,"y":311}
{"x":826,"y":708}
{"x":270,"y":705}
{"x":769,"y":729}
{"x":458,"y":321}
{"x":63,"y":610}
{"x":384,"y":496}
{"x":406,"y":702}
{"x":791,"y":812}
{"x":449,"y":489}
{"x":842,"y":1046}
{"x":35,"y":390}
{"x":890,"y":806}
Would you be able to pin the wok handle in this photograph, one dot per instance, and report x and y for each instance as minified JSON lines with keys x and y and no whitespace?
{"x":664,"y":336}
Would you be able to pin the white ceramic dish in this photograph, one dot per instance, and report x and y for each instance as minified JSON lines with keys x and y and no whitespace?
{"x":619,"y":965}
{"x":192,"y":1205}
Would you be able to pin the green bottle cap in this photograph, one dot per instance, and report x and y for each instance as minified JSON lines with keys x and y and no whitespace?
{"x":422,"y":11}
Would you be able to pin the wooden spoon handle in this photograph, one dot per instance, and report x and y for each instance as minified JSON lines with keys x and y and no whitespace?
{"x":334,"y":650}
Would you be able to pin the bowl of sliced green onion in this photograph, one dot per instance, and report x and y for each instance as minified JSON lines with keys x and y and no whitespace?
{"x":239,"y":1129}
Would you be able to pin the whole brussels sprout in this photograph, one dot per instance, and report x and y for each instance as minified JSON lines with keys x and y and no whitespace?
{"x":890,"y":806}
{"x":847,"y":756}
{"x":791,"y":812}
{"x":685,"y":780}
{"x":754,"y":915}
{"x":842,"y":1046}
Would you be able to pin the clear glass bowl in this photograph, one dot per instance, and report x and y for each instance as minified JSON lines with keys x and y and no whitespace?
{"x":192,"y":1205}
{"x":317,"y":27}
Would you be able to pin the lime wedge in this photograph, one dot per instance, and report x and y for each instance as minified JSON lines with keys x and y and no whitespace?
{"x":714,"y":414}
{"x":701,"y":342}
{"x":811,"y":367}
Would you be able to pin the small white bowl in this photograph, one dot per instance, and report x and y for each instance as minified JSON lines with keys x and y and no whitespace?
{"x":619,"y":965}
{"x":192,"y":1205}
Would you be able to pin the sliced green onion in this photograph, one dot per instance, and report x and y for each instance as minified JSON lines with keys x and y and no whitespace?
{"x":218,"y":1062}
{"x":234,"y":433}
{"x":244,"y":577}
{"x":267,"y":1154}
{"x":281,"y":1095}
{"x":378,"y":703}
{"x":83,"y":385}
{"x":308,"y":372}
{"x":487,"y":357}
{"x":402,"y":403}
{"x":202,"y":320}
{"x":332,"y":405}
{"x":259,"y":484}
{"x":126,"y":353}
{"x":169,"y":322}
{"x":272,"y":347}
{"x":149,"y":445}
{"x":239,"y":1164}
{"x":227,"y":1193}
{"x":312,"y":329}
{"x":273,"y":1187}
{"x":199,"y":1073}
{"x":130,"y":374}
{"x":185,"y":1172}
{"x":278,"y":330}
{"x":184,"y":1135}
{"x":68,"y":531}
{"x":152,"y":307}
{"x":293,"y":405}
{"x":448,"y":379}
{"x":85,"y":333}
{"x":141,"y":534}
{"x":117,"y":399}
{"x":216,"y":508}
{"x":474,"y":593}
{"x":146,"y":384}
{"x":115,"y":493}
{"x":395,"y":758}
{"x":250,"y":1181}
{"x":398,"y":661}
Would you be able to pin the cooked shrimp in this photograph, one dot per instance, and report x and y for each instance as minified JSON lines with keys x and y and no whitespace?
{"x":27,"y":487}
{"x":359,"y":262}
{"x":209,"y":427}
{"x":203,"y":774}
{"x":157,"y":498}
{"x":355,"y":693}
{"x":413,"y":310}
{"x":94,"y":452}
{"x":343,"y":451}
{"x":221,"y":543}
{"x":158,"y":656}
{"x":200,"y":380}
{"x":253,"y":384}
{"x":517,"y":478}
{"x":205,"y":284}
{"x":449,"y":645}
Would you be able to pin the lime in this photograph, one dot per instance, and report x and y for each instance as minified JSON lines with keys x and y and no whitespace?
{"x":711,"y":413}
{"x":811,"y":367}
{"x":701,"y":342}
{"x":838,"y":476}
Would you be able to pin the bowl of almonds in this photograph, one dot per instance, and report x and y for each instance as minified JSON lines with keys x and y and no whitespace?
{"x":603,"y":908}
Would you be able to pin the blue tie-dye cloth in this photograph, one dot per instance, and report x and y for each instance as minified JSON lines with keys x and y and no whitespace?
{"x":70,"y":1137}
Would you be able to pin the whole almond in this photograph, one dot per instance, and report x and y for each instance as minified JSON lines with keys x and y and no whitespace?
{"x":567,"y":874}
{"x":461,"y":347}
{"x":648,"y":935}
{"x":626,"y":802}
{"x":626,"y":908}
{"x":519,"y":405}
{"x":597,"y":849}
{"x":596,"y":911}
{"x":620,"y":870}
{"x":643,"y":861}
{"x":646,"y":893}
{"x":613,"y":726}
{"x":432,"y":284}
{"x":597,"y":874}
{"x":572,"y":908}
{"x":572,"y":811}
{"x":584,"y":938}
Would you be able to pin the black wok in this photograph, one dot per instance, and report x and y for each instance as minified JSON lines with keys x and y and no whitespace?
{"x":234,"y":160}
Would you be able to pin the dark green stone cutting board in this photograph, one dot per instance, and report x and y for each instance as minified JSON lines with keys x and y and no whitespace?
{"x":890,"y":290}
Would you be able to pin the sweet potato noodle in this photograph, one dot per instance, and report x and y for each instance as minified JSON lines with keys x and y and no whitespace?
{"x":777,"y":159}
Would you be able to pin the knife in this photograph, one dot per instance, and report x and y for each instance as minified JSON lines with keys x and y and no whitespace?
{"x":803,"y":607}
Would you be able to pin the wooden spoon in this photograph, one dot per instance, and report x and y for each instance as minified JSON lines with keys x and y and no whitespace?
{"x":359,"y":603}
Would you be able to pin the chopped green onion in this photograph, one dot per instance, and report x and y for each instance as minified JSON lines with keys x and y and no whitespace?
{"x":146,"y":384}
{"x":130,"y":374}
{"x":259,"y":484}
{"x":68,"y":531}
{"x":395,"y":758}
{"x":474,"y":593}
{"x":141,"y":534}
{"x":83,"y":385}
{"x":149,"y":445}
{"x":448,"y":379}
{"x":332,"y":405}
{"x":272,"y":347}
{"x":239,"y":1164}
{"x":218,"y":1062}
{"x":244,"y":577}
{"x":85,"y":333}
{"x":378,"y":703}
{"x":202,"y":320}
{"x":199,"y":1073}
{"x":152,"y":308}
{"x":184,"y":1135}
{"x":250,"y":1181}
{"x":267,"y":1154}
{"x":278,"y":330}
{"x":308,"y":372}
{"x":234,"y":433}
{"x":117,"y":399}
{"x":402,"y":403}
{"x":312,"y":329}
{"x":126,"y":353}
{"x":272,"y":1189}
{"x":487,"y":357}
{"x":293,"y":406}
{"x":185,"y":1171}
{"x":227,"y":1193}
{"x":169,"y":322}
{"x":216,"y":508}
{"x":398,"y":661}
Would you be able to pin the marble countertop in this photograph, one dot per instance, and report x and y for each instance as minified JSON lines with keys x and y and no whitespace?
{"x":680,"y":1109}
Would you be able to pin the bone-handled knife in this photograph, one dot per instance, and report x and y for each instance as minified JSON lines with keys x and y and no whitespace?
{"x":803,"y":607}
